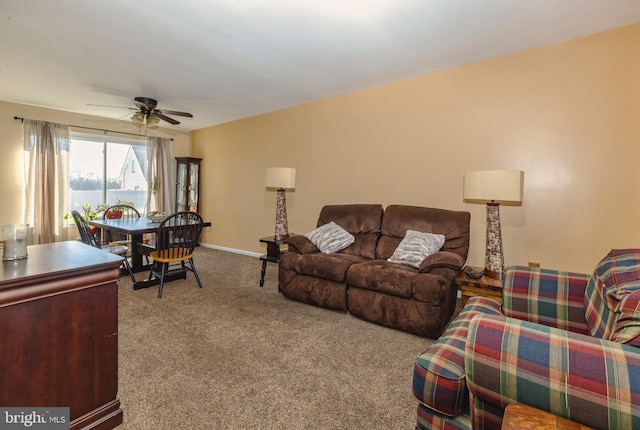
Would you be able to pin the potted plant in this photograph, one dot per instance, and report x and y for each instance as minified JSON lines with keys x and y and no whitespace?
{"x":87,"y":213}
{"x":114,"y":214}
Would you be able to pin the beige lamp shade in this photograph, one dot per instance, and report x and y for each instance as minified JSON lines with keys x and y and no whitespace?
{"x":281,"y":178}
{"x":494,"y":185}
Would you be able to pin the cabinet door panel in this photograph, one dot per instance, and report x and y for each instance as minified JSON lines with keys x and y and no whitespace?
{"x":188,"y":184}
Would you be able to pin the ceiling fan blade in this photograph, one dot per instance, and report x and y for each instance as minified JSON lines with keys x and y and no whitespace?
{"x":109,"y":106}
{"x":147,"y":107}
{"x":173,"y":112}
{"x":158,"y":114}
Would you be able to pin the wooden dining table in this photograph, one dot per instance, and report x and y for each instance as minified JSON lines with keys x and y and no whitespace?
{"x":137,"y":228}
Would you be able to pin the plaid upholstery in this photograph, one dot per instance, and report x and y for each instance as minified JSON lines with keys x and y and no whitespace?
{"x":427,"y":419}
{"x":540,"y":352}
{"x":588,"y":380}
{"x":612,"y":297}
{"x":627,"y":328}
{"x":544,"y":296}
{"x":485,"y":415}
{"x":438,"y":377}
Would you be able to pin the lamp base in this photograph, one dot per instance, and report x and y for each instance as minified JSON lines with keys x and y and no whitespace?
{"x":282,"y":227}
{"x":494,"y":258}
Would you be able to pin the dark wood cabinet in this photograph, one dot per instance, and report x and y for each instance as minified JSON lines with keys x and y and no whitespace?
{"x":59,"y":336}
{"x":188,"y":184}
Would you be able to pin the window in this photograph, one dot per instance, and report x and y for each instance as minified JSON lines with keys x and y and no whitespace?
{"x":103,"y":169}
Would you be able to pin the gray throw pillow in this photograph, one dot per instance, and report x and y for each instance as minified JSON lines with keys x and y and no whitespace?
{"x":415,"y":247}
{"x":330,"y":238}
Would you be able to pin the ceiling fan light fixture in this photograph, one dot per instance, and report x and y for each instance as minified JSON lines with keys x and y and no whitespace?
{"x":138,"y":119}
{"x":153,"y":122}
{"x":149,"y":117}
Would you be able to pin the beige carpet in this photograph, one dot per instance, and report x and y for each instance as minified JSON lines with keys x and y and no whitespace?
{"x":236,"y":356}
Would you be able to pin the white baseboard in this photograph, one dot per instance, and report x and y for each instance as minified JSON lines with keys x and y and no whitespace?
{"x":233,"y":250}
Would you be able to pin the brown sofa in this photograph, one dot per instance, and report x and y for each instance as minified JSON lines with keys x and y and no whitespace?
{"x":359,"y":279}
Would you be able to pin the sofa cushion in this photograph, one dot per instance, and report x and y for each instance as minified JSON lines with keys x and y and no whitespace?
{"x":397,"y":219}
{"x":545,"y":296}
{"x":330,"y":238}
{"x":361,"y":220}
{"x":612,"y":297}
{"x":400,"y":280}
{"x":415,"y":247}
{"x":327,"y":266}
{"x":382,"y":276}
{"x":439,"y":375}
{"x":627,"y":328}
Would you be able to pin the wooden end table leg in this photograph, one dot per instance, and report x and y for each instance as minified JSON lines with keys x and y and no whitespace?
{"x":264,"y":269}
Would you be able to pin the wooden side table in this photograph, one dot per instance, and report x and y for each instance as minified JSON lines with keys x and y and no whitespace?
{"x":485,"y":287}
{"x":523,"y":417}
{"x":273,"y":254}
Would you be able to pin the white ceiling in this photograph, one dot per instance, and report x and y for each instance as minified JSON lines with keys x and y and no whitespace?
{"x":228,"y":59}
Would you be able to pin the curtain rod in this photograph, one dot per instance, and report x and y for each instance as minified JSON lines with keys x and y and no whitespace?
{"x":98,"y":129}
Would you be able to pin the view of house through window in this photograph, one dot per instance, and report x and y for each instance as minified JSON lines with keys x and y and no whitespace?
{"x":105,"y":170}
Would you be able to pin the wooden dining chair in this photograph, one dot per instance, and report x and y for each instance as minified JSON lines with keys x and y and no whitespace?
{"x":87,"y":237}
{"x":176,"y":239}
{"x":117,"y":212}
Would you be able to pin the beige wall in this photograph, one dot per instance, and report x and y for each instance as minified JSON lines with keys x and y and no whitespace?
{"x":11,"y":147}
{"x":567,"y":114}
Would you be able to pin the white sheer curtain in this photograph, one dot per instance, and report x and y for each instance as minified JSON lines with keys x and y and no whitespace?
{"x":161,"y":175}
{"x":46,"y":170}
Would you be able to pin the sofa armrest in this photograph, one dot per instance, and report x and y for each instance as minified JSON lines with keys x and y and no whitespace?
{"x":550,"y":297}
{"x":442,"y":259}
{"x":588,"y":380}
{"x":301,"y":245}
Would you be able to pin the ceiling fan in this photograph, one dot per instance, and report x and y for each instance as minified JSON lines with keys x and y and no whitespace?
{"x":148,"y":115}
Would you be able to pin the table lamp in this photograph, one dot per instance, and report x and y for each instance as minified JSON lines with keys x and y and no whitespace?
{"x":493,"y":187}
{"x":281,"y":178}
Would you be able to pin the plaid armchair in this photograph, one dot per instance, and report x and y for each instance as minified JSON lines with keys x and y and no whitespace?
{"x":566,"y":343}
